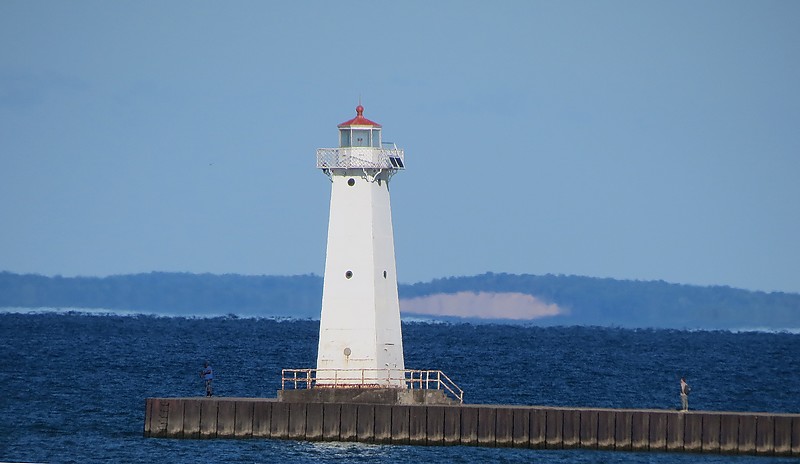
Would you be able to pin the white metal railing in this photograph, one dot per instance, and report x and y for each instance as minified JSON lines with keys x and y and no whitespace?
{"x":412,"y":379}
{"x":360,"y":158}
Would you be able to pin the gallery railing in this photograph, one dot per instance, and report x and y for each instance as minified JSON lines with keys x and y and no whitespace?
{"x":360,"y":158}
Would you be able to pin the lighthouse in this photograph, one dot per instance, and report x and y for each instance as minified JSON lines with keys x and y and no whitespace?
{"x":360,"y":339}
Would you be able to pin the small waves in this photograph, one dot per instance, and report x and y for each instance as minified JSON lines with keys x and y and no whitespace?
{"x":75,"y":379}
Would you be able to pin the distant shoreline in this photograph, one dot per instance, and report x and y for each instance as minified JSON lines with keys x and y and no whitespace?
{"x":548,"y":300}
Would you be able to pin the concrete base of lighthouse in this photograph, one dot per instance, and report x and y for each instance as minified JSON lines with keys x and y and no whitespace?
{"x":393,"y":396}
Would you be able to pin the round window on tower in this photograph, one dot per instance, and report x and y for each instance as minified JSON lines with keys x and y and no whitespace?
{"x":351,"y":182}
{"x":348,"y":274}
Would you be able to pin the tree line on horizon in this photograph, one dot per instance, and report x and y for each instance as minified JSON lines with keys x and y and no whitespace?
{"x":589,"y":300}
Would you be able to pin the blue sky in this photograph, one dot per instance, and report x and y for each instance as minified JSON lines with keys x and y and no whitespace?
{"x":624,"y":139}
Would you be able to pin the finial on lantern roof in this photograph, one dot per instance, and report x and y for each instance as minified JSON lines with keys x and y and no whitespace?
{"x":359,"y":120}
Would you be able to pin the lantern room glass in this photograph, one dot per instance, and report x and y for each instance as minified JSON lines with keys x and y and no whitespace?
{"x":344,"y":137}
{"x":360,"y":138}
{"x":349,"y":137}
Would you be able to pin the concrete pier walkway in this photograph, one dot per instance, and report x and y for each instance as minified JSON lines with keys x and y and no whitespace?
{"x":476,"y":425}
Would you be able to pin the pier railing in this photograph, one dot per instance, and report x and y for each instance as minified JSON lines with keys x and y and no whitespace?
{"x":412,"y":379}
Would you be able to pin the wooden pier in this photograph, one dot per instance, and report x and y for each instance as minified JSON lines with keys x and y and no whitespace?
{"x":768,"y":434}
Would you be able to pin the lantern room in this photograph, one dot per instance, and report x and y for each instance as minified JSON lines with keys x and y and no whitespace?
{"x":359,"y":132}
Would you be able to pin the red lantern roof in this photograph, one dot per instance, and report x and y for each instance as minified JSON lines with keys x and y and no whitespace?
{"x":359,"y":120}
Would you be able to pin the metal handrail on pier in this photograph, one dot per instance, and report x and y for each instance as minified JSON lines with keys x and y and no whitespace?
{"x":370,"y":378}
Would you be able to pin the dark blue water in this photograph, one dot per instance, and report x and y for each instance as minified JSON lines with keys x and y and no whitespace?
{"x":73,"y":385}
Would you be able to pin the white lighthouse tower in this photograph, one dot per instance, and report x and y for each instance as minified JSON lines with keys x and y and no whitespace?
{"x":360,"y":340}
